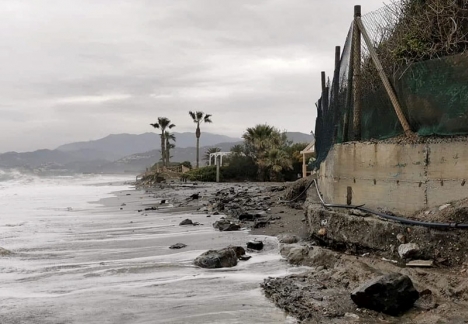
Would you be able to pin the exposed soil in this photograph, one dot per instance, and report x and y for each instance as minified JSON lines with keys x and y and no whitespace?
{"x":322,"y":295}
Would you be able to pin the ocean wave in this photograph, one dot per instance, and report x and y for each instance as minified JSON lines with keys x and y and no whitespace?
{"x":14,"y":175}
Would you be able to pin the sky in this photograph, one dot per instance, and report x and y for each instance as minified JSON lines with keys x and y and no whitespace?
{"x":78,"y":70}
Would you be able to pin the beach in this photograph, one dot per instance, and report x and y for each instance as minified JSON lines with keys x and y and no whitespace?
{"x":87,"y":251}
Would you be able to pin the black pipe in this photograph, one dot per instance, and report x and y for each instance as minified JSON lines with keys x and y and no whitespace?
{"x":388,"y":217}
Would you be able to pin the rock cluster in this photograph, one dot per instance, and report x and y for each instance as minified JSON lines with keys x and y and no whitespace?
{"x":245,"y":204}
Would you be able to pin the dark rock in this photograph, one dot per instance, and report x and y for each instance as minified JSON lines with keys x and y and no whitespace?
{"x":140,"y":210}
{"x":251,"y":215}
{"x":240,"y":251}
{"x":178,"y":246}
{"x":226,"y":226}
{"x":245,"y":257}
{"x":195,"y":196}
{"x":224,"y":258}
{"x":255,"y":245}
{"x":216,"y":213}
{"x":152,"y":208}
{"x":164,"y":201}
{"x":391,"y":294}
{"x":186,"y":222}
{"x":261,"y":223}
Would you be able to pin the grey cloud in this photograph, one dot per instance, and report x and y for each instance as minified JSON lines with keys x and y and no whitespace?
{"x":77,"y":70}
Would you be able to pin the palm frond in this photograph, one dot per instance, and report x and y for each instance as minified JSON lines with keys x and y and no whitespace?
{"x":192,"y":114}
{"x":207,"y":119}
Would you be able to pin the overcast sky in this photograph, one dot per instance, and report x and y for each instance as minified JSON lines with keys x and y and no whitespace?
{"x":74,"y":70}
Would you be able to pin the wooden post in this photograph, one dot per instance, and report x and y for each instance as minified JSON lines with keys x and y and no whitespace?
{"x":349,"y":196}
{"x":304,"y":166}
{"x":323,"y":81}
{"x":357,"y":75}
{"x":385,"y":81}
{"x":217,"y":167}
{"x":336,"y":89}
{"x":349,"y":97}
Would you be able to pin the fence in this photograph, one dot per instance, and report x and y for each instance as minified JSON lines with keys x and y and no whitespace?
{"x":374,"y":96}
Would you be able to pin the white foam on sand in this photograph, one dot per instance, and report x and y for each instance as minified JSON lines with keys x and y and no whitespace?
{"x":107,"y":265}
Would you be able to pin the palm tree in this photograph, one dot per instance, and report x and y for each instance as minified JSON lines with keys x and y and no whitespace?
{"x":237,"y":150}
{"x":199,"y":117}
{"x":169,"y":137}
{"x":162,"y":124}
{"x":259,"y":141}
{"x":277,"y":160}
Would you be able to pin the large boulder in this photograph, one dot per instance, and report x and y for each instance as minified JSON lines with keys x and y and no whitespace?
{"x":391,"y":294}
{"x":225,"y":226}
{"x":224,"y":258}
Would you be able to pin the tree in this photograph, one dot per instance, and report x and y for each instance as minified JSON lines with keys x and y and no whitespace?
{"x":169,"y":137}
{"x":199,"y":117}
{"x":209,"y":151}
{"x":163,"y":124}
{"x":237,"y":150}
{"x":277,"y":160}
{"x":259,"y":142}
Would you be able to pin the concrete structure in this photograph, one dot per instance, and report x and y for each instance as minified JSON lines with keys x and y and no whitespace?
{"x":400,"y":178}
{"x":216,"y":155}
{"x":306,"y":153}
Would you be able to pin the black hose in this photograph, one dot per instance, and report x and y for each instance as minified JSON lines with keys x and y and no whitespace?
{"x":303,"y":192}
{"x":389,"y":217}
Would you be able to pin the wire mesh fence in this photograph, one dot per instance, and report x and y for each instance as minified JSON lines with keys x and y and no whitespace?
{"x":428,"y":73}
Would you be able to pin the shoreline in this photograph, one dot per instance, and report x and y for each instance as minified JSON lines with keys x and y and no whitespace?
{"x":147,"y":203}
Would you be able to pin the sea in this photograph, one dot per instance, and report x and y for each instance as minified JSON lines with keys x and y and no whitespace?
{"x":82,"y":253}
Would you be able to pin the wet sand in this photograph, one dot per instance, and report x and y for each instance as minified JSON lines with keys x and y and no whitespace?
{"x":111,"y":264}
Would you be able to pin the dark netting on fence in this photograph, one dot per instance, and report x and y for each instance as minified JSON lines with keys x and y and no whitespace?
{"x":334,"y":108}
{"x":430,"y":80}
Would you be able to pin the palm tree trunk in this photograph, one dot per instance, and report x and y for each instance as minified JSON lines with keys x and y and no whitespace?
{"x":167,"y":152}
{"x":198,"y":150}
{"x":197,"y":134}
{"x":163,"y":150}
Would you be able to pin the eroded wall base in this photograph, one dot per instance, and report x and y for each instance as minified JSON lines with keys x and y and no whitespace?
{"x":400,"y":178}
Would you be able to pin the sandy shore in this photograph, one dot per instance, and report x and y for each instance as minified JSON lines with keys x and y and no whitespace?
{"x":110,"y":262}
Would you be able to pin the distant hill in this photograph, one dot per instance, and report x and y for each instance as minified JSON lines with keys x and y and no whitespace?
{"x":121,"y":145}
{"x":297,"y":137}
{"x":121,"y":153}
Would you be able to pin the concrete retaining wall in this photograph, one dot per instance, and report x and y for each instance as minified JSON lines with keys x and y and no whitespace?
{"x":400,"y":178}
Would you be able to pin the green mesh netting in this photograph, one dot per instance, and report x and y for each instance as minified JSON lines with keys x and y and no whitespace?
{"x":433,"y":94}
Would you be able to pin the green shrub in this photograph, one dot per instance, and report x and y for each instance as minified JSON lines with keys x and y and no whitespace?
{"x":205,"y":174}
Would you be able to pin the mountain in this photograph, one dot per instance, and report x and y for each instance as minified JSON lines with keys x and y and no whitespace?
{"x":140,"y":161}
{"x":121,"y":153}
{"x":297,"y":137}
{"x":120,"y":145}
